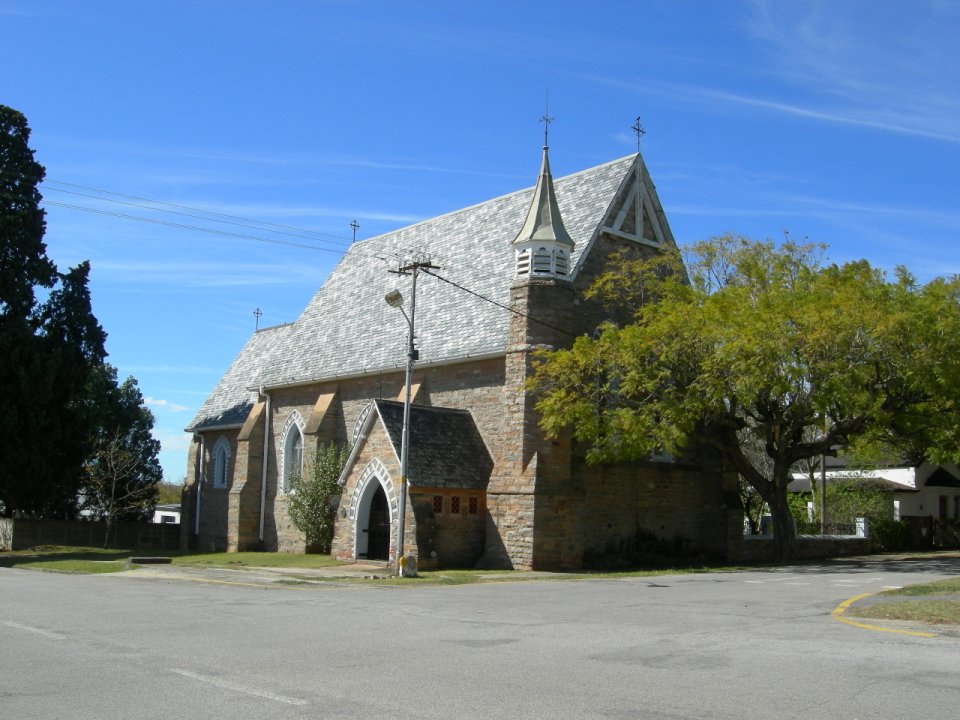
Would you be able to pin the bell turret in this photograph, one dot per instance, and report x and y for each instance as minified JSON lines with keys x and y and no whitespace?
{"x":543,"y":247}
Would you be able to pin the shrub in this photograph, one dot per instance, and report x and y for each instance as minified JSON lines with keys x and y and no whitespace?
{"x":889,"y":535}
{"x":313,"y":497}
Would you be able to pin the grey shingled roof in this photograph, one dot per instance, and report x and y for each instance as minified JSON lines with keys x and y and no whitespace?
{"x":446,"y":448}
{"x":347,"y":328}
{"x":230,"y":401}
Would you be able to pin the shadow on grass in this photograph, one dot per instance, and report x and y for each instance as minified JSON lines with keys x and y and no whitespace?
{"x":38,"y":556}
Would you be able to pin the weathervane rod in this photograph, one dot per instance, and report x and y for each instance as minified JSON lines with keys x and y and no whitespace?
{"x":638,"y":129}
{"x":546,"y":120}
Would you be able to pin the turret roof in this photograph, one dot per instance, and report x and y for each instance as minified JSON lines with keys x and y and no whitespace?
{"x":544,"y":223}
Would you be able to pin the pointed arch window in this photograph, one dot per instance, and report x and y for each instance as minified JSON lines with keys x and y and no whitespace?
{"x":292,"y":447}
{"x":221,"y":461}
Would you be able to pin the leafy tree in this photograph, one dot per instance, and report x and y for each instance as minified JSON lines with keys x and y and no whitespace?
{"x":169,"y":493}
{"x":311,"y":509}
{"x":121,"y":476}
{"x":763,"y":346}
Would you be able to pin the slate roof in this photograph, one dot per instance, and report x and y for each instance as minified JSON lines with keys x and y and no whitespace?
{"x":347,"y":329}
{"x":230,"y":402}
{"x":446,"y":448}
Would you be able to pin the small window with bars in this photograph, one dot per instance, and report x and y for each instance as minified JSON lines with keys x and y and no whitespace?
{"x":455,"y":505}
{"x":437,"y":504}
{"x":473,"y":505}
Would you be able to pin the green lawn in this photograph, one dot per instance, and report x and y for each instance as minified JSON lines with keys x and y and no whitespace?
{"x":66,"y":559}
{"x":250,"y":559}
{"x":96,"y":560}
{"x":940,"y":605}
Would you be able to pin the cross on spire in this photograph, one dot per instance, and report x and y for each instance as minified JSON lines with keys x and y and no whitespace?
{"x":546,"y":120}
{"x":257,"y":313}
{"x":355,"y":225}
{"x":638,"y":129}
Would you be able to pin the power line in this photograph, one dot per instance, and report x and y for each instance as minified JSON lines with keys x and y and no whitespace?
{"x":187,"y":207}
{"x":500,"y":305}
{"x":191,"y":215}
{"x":212,"y":231}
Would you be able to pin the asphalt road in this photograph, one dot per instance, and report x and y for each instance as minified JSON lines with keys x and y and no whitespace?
{"x":740,"y":645}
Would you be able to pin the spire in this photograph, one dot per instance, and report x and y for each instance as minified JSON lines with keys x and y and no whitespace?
{"x":543,"y":223}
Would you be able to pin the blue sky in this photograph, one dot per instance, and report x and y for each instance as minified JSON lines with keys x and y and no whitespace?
{"x":838,"y":121}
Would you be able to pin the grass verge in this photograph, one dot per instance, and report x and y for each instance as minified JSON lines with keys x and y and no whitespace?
{"x":252,"y":560}
{"x":940,"y":604}
{"x":66,"y":559}
{"x":933,"y":612}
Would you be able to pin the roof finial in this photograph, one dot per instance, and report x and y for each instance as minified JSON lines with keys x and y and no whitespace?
{"x":546,"y":120}
{"x":355,"y":225}
{"x":638,"y":129}
{"x":257,"y":313}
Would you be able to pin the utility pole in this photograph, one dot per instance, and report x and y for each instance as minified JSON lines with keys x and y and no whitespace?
{"x":395,"y":299}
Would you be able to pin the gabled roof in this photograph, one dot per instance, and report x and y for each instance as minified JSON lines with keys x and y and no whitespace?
{"x":942,"y":478}
{"x":230,"y":402}
{"x":347,"y":329}
{"x":446,"y":449}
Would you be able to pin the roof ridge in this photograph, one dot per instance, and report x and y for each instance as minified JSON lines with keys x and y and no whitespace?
{"x":452,"y":213}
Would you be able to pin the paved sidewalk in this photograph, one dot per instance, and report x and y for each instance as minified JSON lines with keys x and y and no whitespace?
{"x":260,"y":575}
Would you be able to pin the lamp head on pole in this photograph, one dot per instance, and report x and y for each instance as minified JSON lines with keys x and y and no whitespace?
{"x":394,"y":298}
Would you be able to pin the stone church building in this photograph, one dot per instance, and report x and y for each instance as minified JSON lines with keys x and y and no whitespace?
{"x":485,"y":486}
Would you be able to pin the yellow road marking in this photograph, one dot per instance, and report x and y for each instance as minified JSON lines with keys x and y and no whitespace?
{"x":840,"y":609}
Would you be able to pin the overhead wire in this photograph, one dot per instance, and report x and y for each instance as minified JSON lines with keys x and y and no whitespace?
{"x":258,"y":224}
{"x":499,"y":304}
{"x":187,"y":207}
{"x":212,"y":231}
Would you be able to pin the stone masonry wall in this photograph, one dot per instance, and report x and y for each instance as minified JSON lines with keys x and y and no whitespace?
{"x":377,"y":453}
{"x":475,"y":386}
{"x":215,"y":502}
{"x":454,"y":536}
{"x":669,"y":500}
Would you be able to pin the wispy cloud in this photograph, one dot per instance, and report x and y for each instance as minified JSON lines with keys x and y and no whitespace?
{"x":175,"y":369}
{"x":287,"y":159}
{"x":206,"y":274}
{"x":890,"y":66}
{"x":165,"y":405}
{"x":891,"y":122}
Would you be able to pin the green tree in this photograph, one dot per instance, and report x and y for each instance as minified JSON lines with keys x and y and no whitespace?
{"x":312,"y":502}
{"x":761,"y":346}
{"x":122,"y":474}
{"x":169,"y":493}
{"x":24,"y":264}
{"x":48,"y":351}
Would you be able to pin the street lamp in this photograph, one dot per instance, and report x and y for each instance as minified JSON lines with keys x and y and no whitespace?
{"x":395,"y":299}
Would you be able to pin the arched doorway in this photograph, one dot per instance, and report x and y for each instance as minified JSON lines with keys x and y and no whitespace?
{"x":378,"y":538}
{"x":373,"y":523}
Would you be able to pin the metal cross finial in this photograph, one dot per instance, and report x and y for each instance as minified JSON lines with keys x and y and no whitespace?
{"x":355,"y":225}
{"x":638,"y":129}
{"x":257,"y":313}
